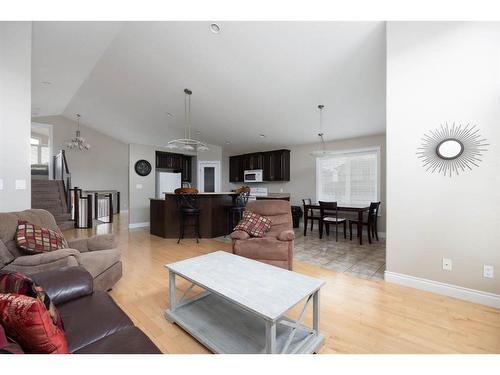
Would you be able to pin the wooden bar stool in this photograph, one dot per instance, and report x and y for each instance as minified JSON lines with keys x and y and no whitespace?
{"x":188,"y":208}
{"x":236,"y":210}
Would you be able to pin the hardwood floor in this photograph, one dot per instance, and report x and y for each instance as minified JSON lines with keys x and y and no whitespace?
{"x":357,"y":316}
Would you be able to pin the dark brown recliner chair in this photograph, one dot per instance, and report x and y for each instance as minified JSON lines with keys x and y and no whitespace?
{"x":276,"y":247}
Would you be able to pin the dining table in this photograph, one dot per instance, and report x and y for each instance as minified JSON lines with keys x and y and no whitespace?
{"x":359,"y":208}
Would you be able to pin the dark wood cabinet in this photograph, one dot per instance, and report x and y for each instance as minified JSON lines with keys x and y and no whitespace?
{"x":186,"y":168}
{"x":274,"y":164}
{"x":236,"y":169}
{"x":176,"y":162}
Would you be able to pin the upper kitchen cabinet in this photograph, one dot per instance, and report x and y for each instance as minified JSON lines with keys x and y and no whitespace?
{"x":236,"y":169}
{"x":176,"y":162}
{"x":252,"y":161}
{"x":275,"y":165}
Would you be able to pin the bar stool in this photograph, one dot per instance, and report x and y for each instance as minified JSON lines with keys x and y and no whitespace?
{"x":188,"y":208}
{"x":236,"y":210}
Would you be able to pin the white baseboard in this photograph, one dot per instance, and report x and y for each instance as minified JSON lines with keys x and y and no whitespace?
{"x":139,"y":225}
{"x":472,"y":295}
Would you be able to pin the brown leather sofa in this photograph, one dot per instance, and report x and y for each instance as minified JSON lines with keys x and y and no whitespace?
{"x":93,"y":322}
{"x":97,"y":254}
{"x":276,"y":247}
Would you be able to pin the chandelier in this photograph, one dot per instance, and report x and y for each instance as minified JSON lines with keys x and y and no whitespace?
{"x":187,"y":143}
{"x":322,"y":151}
{"x":78,"y":143}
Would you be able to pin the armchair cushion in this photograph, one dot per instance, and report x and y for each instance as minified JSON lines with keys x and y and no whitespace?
{"x":65,"y":284}
{"x":96,"y":262}
{"x":30,"y":264}
{"x":254,"y":224}
{"x":262,"y":249}
{"x":99,"y":242}
{"x":34,"y":239}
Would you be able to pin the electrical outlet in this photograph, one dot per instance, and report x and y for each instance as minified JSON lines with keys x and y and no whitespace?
{"x":488,"y":271}
{"x":447,"y":264}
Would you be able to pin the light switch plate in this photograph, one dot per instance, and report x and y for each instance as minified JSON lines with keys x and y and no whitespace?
{"x":138,"y":186}
{"x":488,"y":271}
{"x":447,"y":264}
{"x":1,"y":183}
{"x":20,"y":184}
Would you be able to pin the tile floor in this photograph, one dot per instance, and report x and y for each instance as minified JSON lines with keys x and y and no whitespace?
{"x":365,"y":261}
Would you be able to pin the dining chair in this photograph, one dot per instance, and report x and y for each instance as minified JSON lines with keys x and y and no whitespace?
{"x":371,"y":222}
{"x":326,"y":218}
{"x":309,"y":214}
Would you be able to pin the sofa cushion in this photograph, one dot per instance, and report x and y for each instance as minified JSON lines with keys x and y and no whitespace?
{"x":26,"y":320}
{"x":17,"y":283}
{"x":34,"y":239}
{"x":91,"y":318}
{"x":254,"y":224}
{"x":8,"y":346}
{"x":129,"y":340}
{"x":8,"y":226}
{"x":96,"y":262}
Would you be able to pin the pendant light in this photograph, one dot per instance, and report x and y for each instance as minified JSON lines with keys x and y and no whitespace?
{"x":78,"y":142}
{"x":187,"y":143}
{"x":322,"y":151}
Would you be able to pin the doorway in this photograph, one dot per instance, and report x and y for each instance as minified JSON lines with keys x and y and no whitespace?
{"x":209,"y":176}
{"x":41,"y":144}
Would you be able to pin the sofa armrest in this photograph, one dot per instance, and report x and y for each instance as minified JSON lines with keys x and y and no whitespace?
{"x":65,"y":284}
{"x":99,"y":242}
{"x":239,"y":235}
{"x":286,"y":235}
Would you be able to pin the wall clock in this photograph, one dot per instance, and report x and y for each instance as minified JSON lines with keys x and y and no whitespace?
{"x":142,"y":167}
{"x":451,"y":150}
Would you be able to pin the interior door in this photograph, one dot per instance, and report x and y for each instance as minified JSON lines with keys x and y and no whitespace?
{"x":209,"y":176}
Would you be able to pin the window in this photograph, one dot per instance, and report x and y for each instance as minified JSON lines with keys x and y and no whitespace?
{"x":350,"y":177}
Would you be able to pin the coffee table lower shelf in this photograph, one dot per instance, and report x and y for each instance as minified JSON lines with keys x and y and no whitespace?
{"x":225,"y":328}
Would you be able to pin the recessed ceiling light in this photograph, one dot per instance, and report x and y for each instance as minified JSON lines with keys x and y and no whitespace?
{"x":46,"y":83}
{"x":215,"y":28}
{"x":262,"y":135}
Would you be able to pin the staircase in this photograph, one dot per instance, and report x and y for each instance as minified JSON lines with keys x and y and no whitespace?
{"x":49,"y":195}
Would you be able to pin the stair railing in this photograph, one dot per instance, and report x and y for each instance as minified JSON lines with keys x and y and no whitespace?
{"x":61,"y":173}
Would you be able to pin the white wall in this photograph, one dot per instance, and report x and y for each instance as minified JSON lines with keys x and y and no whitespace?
{"x":303,"y":170}
{"x":15,"y":114}
{"x":103,"y":167}
{"x":443,"y":72}
{"x":143,"y":188}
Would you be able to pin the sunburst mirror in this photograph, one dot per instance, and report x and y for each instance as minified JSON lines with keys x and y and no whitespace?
{"x":451,"y":150}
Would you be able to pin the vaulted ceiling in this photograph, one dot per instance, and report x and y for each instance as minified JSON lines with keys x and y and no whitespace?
{"x":252,"y":78}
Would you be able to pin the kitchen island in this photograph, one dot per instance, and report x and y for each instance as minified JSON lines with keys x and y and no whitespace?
{"x":165,"y":219}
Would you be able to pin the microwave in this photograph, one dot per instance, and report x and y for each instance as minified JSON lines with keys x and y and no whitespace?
{"x":254,"y":175}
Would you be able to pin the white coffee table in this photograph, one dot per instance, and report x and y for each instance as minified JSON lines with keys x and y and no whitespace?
{"x":243,"y":306}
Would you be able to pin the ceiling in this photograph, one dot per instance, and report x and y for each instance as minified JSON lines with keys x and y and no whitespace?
{"x":252,"y":78}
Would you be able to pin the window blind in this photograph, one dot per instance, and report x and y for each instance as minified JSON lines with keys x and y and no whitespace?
{"x":348,"y":178}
